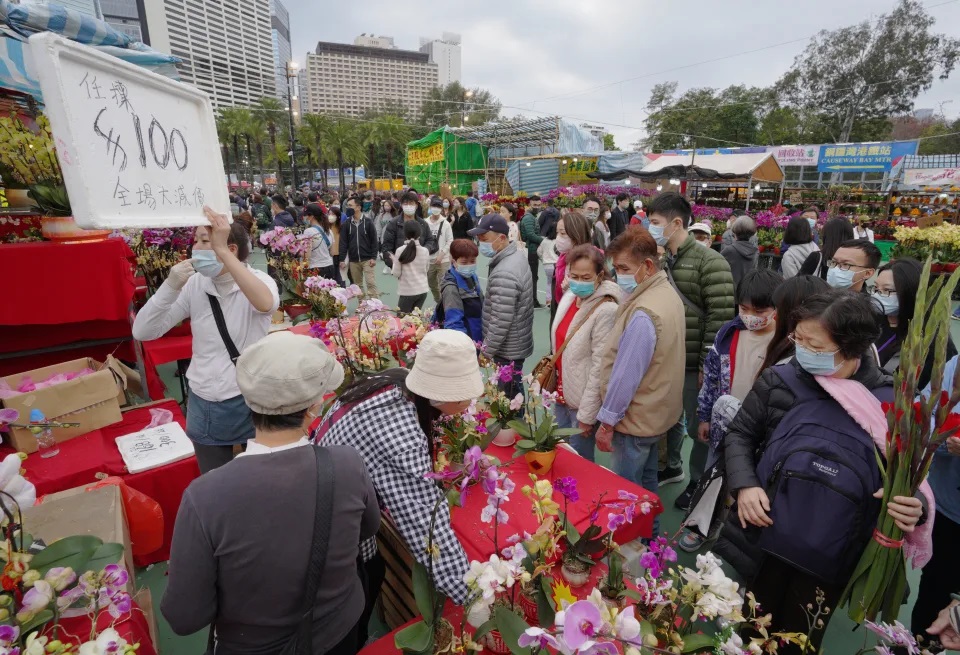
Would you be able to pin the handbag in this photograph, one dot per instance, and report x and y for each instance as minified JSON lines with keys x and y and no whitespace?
{"x":222,"y":328}
{"x":301,"y":642}
{"x":545,"y":372}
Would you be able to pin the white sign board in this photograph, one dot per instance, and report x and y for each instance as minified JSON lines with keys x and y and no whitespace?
{"x":137,"y":149}
{"x":931,"y":176}
{"x":159,"y":446}
{"x":796,"y":155}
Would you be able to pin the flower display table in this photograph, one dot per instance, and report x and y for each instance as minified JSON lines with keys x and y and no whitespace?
{"x":592,"y":481}
{"x":84,"y":459}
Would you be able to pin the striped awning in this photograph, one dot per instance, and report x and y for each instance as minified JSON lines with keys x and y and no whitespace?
{"x":17,"y":22}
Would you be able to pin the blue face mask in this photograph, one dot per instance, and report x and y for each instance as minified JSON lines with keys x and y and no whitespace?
{"x":628,"y":283}
{"x":466,"y":270}
{"x":582,"y":289}
{"x":657,"y":232}
{"x":889,"y":304}
{"x":812,"y":222}
{"x":817,"y":363}
{"x":486,"y":249}
{"x":840,"y":279}
{"x":205,"y":263}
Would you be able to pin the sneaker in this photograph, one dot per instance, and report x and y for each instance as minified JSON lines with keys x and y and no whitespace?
{"x":386,"y":271}
{"x":670,"y":476}
{"x":537,"y":304}
{"x":691,"y":541}
{"x":956,"y":314}
{"x":683,"y":500}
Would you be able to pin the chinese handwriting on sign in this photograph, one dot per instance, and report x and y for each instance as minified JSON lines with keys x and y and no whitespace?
{"x":137,"y":144}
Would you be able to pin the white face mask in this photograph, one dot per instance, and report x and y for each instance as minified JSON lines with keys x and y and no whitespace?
{"x":331,"y":218}
{"x":409,"y":210}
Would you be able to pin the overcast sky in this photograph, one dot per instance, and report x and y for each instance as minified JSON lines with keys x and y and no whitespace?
{"x":543,"y":57}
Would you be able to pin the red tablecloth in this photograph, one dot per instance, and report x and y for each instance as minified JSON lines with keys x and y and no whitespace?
{"x":168,"y":348}
{"x":64,"y":293}
{"x":132,"y":627}
{"x":81,"y":459}
{"x":592,"y":481}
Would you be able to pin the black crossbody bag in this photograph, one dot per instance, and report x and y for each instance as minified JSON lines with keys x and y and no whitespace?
{"x":301,"y":642}
{"x":222,"y":328}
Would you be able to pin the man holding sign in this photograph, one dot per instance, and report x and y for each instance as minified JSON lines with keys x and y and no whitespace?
{"x":229,"y":305}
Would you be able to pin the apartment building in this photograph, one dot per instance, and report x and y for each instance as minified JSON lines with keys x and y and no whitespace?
{"x":350,"y":79}
{"x":282,"y":52}
{"x":225,"y":46}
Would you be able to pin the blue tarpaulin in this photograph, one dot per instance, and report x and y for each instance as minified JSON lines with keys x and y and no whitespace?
{"x":17,"y":22}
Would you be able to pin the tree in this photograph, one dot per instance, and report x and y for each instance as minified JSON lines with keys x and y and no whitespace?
{"x":344,"y":142}
{"x":388,"y":132}
{"x":870,"y":70}
{"x":608,"y":143}
{"x":455,"y":105}
{"x":274,"y":115}
{"x":314,"y":135}
{"x":231,"y":124}
{"x":941,"y":138}
{"x":257,"y":137}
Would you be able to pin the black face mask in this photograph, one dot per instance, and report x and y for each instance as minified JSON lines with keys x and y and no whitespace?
{"x":534,"y":210}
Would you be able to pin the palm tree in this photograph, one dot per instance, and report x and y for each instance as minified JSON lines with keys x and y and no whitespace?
{"x":315,"y":130}
{"x":223,"y":134}
{"x":275,"y":118}
{"x":344,"y":141}
{"x":232,"y":124}
{"x":257,"y":136}
{"x":388,"y":131}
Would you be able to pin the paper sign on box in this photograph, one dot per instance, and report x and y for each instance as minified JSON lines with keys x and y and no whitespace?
{"x":148,"y":449}
{"x":137,"y":149}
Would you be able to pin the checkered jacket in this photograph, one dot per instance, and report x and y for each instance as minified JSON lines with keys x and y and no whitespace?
{"x":385,"y":431}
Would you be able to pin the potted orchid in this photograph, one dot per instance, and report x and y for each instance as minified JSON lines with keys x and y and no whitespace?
{"x":323,"y":298}
{"x":158,"y":251}
{"x":500,"y":409}
{"x":540,"y":434}
{"x":456,"y":434}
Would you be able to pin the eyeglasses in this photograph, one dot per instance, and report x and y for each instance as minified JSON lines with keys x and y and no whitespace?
{"x":793,"y":339}
{"x":833,"y":263}
{"x":884,"y":293}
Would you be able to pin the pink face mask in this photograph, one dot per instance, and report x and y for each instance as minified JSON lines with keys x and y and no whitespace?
{"x":754,"y":323}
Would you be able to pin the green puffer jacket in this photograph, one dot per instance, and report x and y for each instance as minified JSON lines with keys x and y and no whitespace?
{"x":703,"y":276}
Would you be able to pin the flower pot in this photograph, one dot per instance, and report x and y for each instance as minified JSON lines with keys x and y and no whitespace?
{"x":65,"y":230}
{"x":718,"y":237}
{"x":762,"y":248}
{"x":442,"y":637}
{"x":277,"y":317}
{"x":506,"y":437}
{"x":18,"y":199}
{"x":294,"y":311}
{"x":494,"y":643}
{"x":575,"y":577}
{"x":776,"y":251}
{"x":614,"y":603}
{"x":540,"y":463}
{"x":528,"y":604}
{"x":936,"y":268}
{"x":951,"y":267}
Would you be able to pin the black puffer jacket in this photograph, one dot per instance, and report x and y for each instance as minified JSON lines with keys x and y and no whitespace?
{"x":393,"y":237}
{"x":758,"y":418}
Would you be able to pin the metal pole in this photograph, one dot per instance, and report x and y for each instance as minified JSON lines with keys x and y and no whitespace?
{"x":749,"y":192}
{"x":293,"y":137}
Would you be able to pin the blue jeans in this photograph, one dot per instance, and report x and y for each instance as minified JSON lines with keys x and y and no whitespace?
{"x":567,"y":418}
{"x":218,"y":424}
{"x":635,"y":459}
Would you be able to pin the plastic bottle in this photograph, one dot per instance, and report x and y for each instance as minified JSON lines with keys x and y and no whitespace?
{"x":46,"y":443}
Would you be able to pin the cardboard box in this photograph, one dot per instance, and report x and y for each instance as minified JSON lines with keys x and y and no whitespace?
{"x":78,"y":512}
{"x":144,"y":600}
{"x":92,"y":400}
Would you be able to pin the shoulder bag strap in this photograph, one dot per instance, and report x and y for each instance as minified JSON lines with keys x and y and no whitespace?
{"x":222,"y":328}
{"x":686,"y":301}
{"x":302,"y":642}
{"x":570,"y":336}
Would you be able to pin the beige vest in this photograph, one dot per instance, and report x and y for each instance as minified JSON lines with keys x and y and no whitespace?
{"x":657,"y":405}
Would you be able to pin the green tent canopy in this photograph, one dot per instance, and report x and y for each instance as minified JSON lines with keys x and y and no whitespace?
{"x":443,"y":157}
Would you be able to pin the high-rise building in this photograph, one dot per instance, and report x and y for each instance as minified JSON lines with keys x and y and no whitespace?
{"x":445,"y":53}
{"x":282,"y":53}
{"x":88,"y":7}
{"x":350,"y":79}
{"x":224,"y":44}
{"x":127,"y":16}
{"x":372,"y":41}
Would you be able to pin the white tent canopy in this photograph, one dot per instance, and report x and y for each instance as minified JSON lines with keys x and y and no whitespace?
{"x":758,"y":167}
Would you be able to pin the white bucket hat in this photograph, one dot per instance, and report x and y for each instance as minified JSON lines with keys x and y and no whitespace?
{"x":446,"y":368}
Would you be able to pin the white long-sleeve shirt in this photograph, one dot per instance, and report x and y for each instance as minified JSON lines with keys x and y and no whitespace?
{"x":413,"y":276}
{"x":444,"y":234}
{"x":212,"y":375}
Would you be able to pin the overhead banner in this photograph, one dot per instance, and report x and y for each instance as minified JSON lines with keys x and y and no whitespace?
{"x":863,"y":157}
{"x":932,"y":176}
{"x":426,"y":155}
{"x":575,"y":172}
{"x":796,"y":155}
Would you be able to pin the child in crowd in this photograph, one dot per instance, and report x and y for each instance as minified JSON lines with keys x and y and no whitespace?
{"x":733,"y":363}
{"x":410,"y":265}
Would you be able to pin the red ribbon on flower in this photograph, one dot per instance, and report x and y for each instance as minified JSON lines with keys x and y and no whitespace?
{"x":886,"y":541}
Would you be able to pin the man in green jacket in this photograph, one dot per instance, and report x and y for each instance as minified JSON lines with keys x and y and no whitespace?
{"x":702,"y":278}
{"x":530,"y":235}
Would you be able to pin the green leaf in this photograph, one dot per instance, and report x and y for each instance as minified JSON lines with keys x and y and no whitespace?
{"x":522,"y":428}
{"x":697,"y":643}
{"x":109,"y":553}
{"x":484,"y":629}
{"x":416,"y":638}
{"x":546,"y":614}
{"x":38,"y":621}
{"x":301,"y":318}
{"x":592,"y":532}
{"x":423,"y":591}
{"x":634,"y":595}
{"x":74,"y":552}
{"x":567,"y":432}
{"x":526,"y":444}
{"x":511,"y":627}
